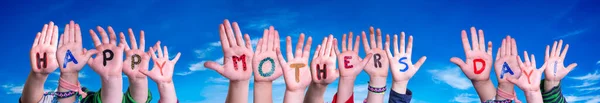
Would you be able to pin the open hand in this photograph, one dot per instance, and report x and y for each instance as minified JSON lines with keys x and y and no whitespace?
{"x":109,"y":58}
{"x":349,"y":62}
{"x":323,"y":64}
{"x":378,"y":67}
{"x":162,"y":72}
{"x":265,"y":62}
{"x":236,"y":53}
{"x":296,"y":71}
{"x":401,"y":65}
{"x":43,"y":52}
{"x":135,"y":57}
{"x":71,"y":55}
{"x":506,"y":65}
{"x":479,"y":61}
{"x":555,"y":69}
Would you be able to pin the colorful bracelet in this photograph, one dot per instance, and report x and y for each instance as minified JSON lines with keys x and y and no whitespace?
{"x":63,"y":94}
{"x":377,"y":90}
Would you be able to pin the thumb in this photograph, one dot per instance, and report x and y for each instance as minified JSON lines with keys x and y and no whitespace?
{"x":459,"y":62}
{"x":420,"y":62}
{"x":512,"y":80}
{"x":366,"y":60}
{"x":570,"y":68}
{"x":214,"y":66}
{"x":89,"y":53}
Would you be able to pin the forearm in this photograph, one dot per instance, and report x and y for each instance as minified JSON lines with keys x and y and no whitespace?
{"x":485,"y":89}
{"x":506,"y":87}
{"x":345,"y":88}
{"x":296,"y":96}
{"x":263,"y":92}
{"x":112,"y":89}
{"x":376,"y":82}
{"x":138,"y":87}
{"x":553,"y":95}
{"x":315,"y":93}
{"x":534,"y":97}
{"x":167,"y":93}
{"x":238,"y":92}
{"x":400,"y":87}
{"x":548,"y":84}
{"x":33,"y":89}
{"x":71,"y":78}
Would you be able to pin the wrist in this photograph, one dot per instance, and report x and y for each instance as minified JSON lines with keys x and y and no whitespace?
{"x":533,"y":96}
{"x":38,"y":76}
{"x":377,"y":81}
{"x":549,"y":84}
{"x":167,"y":92}
{"x":400,"y":86}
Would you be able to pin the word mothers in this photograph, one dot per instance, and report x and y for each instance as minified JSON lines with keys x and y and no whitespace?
{"x":260,"y":71}
{"x":297,"y":66}
{"x":69,"y":58}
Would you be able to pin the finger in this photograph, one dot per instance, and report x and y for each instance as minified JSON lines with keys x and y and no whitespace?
{"x":498,"y":53}
{"x":557,"y":52}
{"x":508,"y":46}
{"x":166,"y":52}
{"x":145,"y":72}
{"x":224,"y":39}
{"x":533,"y":61}
{"x":132,"y":39}
{"x":288,"y":49}
{"x":229,"y":31}
{"x":349,"y":46}
{"x":122,"y":36}
{"x":317,"y":52}
{"x":395,"y":42}
{"x":49,"y":33}
{"x":67,"y":34}
{"x":547,"y":54}
{"x":214,"y":66}
{"x":514,"y":47}
{"x":335,"y":48}
{"x":329,"y":45}
{"x":420,"y":62}
{"x":459,"y":62}
{"x":569,"y":68}
{"x":344,"y":42}
{"x":474,"y":39}
{"x":553,"y":52}
{"x":238,"y":34}
{"x":504,"y":47}
{"x":277,"y":40}
{"x":176,"y":57}
{"x":89,"y":53}
{"x":271,"y":39}
{"x":78,"y":34}
{"x":306,"y":52}
{"x":356,"y":44}
{"x":489,"y":51}
{"x":60,"y":42}
{"x":248,"y":42}
{"x":527,"y":60}
{"x":95,"y":38}
{"x":379,"y":40}
{"x":54,"y":37}
{"x":387,"y":50}
{"x":323,"y":44}
{"x":259,"y":47}
{"x":410,"y":46}
{"x":512,"y":80}
{"x":372,"y":36}
{"x":159,"y":50}
{"x":44,"y":33}
{"x":152,"y":53}
{"x":481,"y":40}
{"x":265,"y":41}
{"x":299,"y":45}
{"x":521,"y":63}
{"x":465,"y":41}
{"x":37,"y":39}
{"x":564,"y":52}
{"x":282,"y":61}
{"x":72,"y":31}
{"x":365,"y":42}
{"x":402,"y":43}
{"x":113,"y":36}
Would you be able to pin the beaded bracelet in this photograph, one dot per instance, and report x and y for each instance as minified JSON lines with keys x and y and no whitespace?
{"x":377,"y":90}
{"x":63,"y":94}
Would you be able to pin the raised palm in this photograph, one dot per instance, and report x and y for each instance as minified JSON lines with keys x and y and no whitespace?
{"x":135,"y":57}
{"x":507,"y":55}
{"x":322,"y":67}
{"x":42,"y":55}
{"x":162,"y":72}
{"x":349,"y":62}
{"x":237,"y":53}
{"x":71,"y":55}
{"x":401,"y":64}
{"x":554,"y":62}
{"x":265,"y":62}
{"x":296,"y":71}
{"x":378,"y":66}
{"x":476,"y":56}
{"x":530,"y":81}
{"x":109,"y":58}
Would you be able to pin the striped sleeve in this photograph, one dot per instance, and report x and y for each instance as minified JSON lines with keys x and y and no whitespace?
{"x":554,"y":95}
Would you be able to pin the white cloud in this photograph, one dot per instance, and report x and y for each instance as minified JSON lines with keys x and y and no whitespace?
{"x":589,"y":81}
{"x":199,"y":66}
{"x":598,"y":62}
{"x":572,"y":33}
{"x":586,"y":99}
{"x":451,"y":76}
{"x":585,"y":84}
{"x":466,"y":98}
{"x":202,"y":53}
{"x":81,"y":74}
{"x":217,"y":80}
{"x":588,"y":77}
{"x":13,"y":89}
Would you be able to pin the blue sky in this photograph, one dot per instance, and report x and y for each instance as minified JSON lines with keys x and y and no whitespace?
{"x":191,"y":27}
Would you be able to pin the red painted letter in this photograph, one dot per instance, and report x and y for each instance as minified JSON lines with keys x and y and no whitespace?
{"x":528,"y":75}
{"x":475,"y":66}
{"x":347,"y":62}
{"x":241,"y":58}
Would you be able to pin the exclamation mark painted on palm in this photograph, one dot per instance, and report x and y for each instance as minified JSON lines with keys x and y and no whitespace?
{"x":160,"y":66}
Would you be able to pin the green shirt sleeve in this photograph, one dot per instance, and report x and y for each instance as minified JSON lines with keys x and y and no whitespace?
{"x":128,"y":99}
{"x":554,"y":95}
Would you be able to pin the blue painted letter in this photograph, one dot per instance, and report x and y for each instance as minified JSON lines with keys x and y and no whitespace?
{"x":506,"y":69}
{"x":404,"y":63}
{"x":68,"y":58}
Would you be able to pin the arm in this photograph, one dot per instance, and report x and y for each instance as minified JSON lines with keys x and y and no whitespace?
{"x":555,"y":71}
{"x":295,"y":71}
{"x":108,"y":64}
{"x":404,"y":69}
{"x":265,"y":73}
{"x":237,"y":54}
{"x":136,"y":59}
{"x":162,"y":73}
{"x":323,"y":70}
{"x":506,"y":66}
{"x":377,"y":68}
{"x":43,"y":62}
{"x":350,"y":65}
{"x":478,"y":65}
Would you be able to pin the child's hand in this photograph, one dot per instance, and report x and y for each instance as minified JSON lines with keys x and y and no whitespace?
{"x":43,"y":52}
{"x":378,"y":66}
{"x":265,"y":62}
{"x":530,"y":81}
{"x":135,"y":57}
{"x":296,"y":71}
{"x":507,"y":56}
{"x":401,"y":64}
{"x":476,"y":56}
{"x":349,"y":62}
{"x":71,"y":55}
{"x":109,"y":58}
{"x":323,"y":64}
{"x":162,"y":72}
{"x":236,"y":52}
{"x":554,"y":63}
